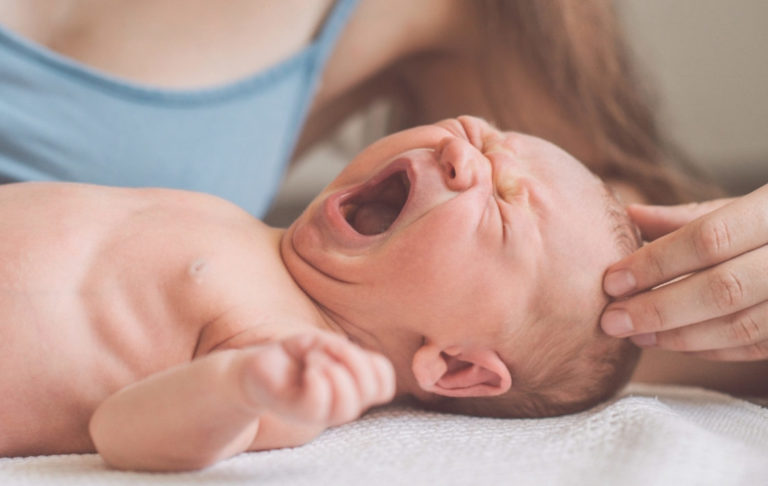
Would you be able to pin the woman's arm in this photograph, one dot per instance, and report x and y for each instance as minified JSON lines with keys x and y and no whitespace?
{"x":196,"y":414}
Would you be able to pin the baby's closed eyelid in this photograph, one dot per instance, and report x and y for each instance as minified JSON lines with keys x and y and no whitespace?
{"x":512,"y":187}
{"x":504,"y":180}
{"x":508,"y":188}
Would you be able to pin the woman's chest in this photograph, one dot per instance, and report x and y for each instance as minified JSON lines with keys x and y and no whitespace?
{"x":169,"y":43}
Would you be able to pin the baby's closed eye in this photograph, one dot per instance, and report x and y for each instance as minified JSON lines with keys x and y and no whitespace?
{"x":509,"y":184}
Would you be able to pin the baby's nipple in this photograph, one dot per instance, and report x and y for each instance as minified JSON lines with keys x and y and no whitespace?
{"x":197,"y":270}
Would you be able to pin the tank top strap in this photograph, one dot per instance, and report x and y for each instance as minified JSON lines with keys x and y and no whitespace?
{"x":61,"y":120}
{"x":334,"y":24}
{"x":321,"y":49}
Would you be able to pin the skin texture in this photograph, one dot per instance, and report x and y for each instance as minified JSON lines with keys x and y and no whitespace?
{"x":170,"y":329}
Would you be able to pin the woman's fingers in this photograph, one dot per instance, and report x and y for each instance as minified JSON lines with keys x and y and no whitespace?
{"x":722,"y":290}
{"x":657,"y":221}
{"x":731,"y":230}
{"x":753,"y":352}
{"x":740,"y":329}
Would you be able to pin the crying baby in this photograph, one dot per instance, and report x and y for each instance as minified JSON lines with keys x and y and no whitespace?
{"x":451,"y":263}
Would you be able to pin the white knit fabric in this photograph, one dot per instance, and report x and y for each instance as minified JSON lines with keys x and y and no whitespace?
{"x":650,"y":435}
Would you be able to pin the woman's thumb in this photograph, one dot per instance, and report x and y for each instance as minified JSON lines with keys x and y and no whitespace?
{"x":656,"y":221}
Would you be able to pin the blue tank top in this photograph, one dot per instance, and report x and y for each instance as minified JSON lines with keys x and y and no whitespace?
{"x":60,"y":120}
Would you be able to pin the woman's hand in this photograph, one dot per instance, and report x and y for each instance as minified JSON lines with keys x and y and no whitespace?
{"x":720,"y":310}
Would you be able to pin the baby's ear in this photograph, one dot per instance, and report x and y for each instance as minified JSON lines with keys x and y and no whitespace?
{"x":458,"y":372}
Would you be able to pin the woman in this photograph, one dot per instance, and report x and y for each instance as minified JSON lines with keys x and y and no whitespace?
{"x":216,"y":96}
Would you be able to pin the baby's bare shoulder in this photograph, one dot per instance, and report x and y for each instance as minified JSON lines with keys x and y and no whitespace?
{"x":155,"y":250}
{"x":233,"y":271}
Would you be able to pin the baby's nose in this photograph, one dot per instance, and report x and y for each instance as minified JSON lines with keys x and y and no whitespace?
{"x":460,"y":163}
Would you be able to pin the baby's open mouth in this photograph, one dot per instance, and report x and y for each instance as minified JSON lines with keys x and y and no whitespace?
{"x":375,"y":207}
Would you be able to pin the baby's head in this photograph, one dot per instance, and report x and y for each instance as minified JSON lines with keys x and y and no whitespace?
{"x":473,"y":259}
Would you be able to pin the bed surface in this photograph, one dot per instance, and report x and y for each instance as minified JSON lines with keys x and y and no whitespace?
{"x":648,"y":435}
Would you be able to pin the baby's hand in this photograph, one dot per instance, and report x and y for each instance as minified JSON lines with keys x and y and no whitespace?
{"x":316,"y":378}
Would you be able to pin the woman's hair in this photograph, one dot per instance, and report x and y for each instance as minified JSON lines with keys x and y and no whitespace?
{"x":570,"y":57}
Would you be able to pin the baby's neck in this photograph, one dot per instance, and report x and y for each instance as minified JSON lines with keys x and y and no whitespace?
{"x":323,"y":319}
{"x":331,"y":318}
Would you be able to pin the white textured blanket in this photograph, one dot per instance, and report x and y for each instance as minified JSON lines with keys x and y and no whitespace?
{"x":648,"y":436}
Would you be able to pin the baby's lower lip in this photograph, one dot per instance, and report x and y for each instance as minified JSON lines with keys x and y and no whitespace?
{"x":339,"y":228}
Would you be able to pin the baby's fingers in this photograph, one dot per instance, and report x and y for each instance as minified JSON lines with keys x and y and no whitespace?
{"x":372,"y":373}
{"x":337,"y":379}
{"x":358,"y":364}
{"x":386,"y":385}
{"x":343,"y":403}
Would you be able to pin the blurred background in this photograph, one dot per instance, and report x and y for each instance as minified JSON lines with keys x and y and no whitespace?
{"x":709,"y":61}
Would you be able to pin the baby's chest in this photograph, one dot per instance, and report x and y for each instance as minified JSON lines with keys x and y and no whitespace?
{"x":72,"y":346}
{"x":92,"y":323}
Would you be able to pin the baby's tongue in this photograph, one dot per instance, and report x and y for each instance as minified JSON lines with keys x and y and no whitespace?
{"x":373,"y":218}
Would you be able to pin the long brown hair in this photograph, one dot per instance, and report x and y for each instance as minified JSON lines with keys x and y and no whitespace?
{"x":561,"y":70}
{"x":577,"y":50}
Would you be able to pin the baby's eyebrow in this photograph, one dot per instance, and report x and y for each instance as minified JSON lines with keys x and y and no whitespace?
{"x":625,"y":232}
{"x":455,"y":127}
{"x":478,"y":132}
{"x":496,"y":146}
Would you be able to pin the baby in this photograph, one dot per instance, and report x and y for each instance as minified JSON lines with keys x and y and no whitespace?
{"x":451,"y":263}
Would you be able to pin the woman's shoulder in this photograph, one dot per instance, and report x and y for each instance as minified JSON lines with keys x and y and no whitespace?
{"x":380,"y":34}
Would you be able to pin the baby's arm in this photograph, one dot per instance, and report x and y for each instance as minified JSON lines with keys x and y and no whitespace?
{"x":193,"y":415}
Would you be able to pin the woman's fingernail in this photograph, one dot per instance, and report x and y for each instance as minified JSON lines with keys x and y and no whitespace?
{"x":619,"y":282}
{"x":616,"y":322}
{"x":645,"y":340}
